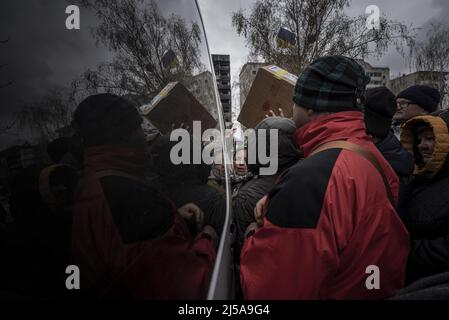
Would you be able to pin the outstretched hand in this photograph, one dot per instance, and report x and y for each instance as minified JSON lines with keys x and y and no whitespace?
{"x":190,"y":210}
{"x":271,"y":113}
{"x":181,"y":126}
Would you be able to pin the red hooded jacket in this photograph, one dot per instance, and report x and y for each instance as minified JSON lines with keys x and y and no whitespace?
{"x":128,"y":240}
{"x":328,"y":220}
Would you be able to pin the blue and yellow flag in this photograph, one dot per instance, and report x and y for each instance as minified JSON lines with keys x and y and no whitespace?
{"x":169,"y":60}
{"x":285,"y":38}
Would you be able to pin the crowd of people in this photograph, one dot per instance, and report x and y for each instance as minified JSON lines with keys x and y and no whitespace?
{"x":351,"y":191}
{"x":359,"y":197}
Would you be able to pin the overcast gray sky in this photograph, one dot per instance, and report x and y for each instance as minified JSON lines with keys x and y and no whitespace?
{"x":223,"y":39}
{"x":41,"y":53}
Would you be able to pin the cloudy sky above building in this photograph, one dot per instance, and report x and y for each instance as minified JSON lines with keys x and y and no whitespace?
{"x":41,"y":52}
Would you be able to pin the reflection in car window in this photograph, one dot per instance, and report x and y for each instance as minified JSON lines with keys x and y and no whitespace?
{"x":112,"y":177}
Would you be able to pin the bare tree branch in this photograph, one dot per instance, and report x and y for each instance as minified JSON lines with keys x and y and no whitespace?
{"x":321,"y":28}
{"x":139,"y":35}
{"x":432,"y":54}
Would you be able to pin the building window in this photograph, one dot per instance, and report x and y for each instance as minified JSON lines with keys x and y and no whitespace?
{"x":254,"y":71}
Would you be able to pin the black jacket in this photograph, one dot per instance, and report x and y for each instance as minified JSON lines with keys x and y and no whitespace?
{"x":244,"y":202}
{"x":207,"y":198}
{"x":186,"y":183}
{"x":427,"y":216}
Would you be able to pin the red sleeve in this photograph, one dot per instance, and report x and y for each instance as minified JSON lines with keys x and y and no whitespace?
{"x":172,"y":267}
{"x":278,"y":263}
{"x":323,"y":228}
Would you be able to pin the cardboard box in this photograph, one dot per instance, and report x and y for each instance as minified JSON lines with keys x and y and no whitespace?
{"x":272,"y":89}
{"x":175,"y":105}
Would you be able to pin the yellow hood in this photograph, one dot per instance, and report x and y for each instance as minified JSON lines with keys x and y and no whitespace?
{"x":441,"y":132}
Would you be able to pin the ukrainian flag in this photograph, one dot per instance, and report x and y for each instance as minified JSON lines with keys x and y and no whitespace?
{"x":169,"y":60}
{"x":285,"y":39}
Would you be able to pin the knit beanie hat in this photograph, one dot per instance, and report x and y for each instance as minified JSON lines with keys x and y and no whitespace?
{"x":424,"y":96}
{"x":287,"y":150}
{"x":105,"y":118}
{"x":331,"y":84}
{"x":380,"y":106}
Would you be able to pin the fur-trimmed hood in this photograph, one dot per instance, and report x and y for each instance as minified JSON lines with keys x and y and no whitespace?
{"x":439,"y":163}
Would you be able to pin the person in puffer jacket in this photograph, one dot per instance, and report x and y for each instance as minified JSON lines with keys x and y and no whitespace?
{"x":380,"y":106}
{"x":427,"y":138}
{"x":330,"y":219}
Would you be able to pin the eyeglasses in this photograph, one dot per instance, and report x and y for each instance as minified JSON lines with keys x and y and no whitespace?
{"x":403,"y":104}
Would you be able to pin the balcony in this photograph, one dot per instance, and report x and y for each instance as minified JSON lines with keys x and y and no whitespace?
{"x":220,"y":57}
{"x":226,"y":107}
{"x":227,"y":116}
{"x":225,"y":96}
{"x":224,"y":86}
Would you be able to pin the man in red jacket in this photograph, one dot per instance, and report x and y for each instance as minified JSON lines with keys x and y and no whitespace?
{"x":330,"y":230}
{"x":128,"y":239}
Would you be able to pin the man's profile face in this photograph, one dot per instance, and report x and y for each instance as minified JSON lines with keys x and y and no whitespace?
{"x":406,"y":110}
{"x":300,"y":116}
